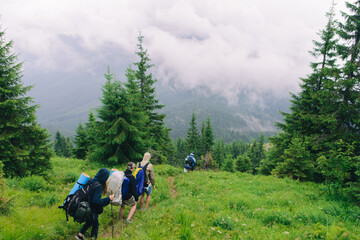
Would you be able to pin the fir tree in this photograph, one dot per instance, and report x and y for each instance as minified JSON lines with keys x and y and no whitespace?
{"x":81,"y":142}
{"x":219,"y":152}
{"x":349,"y":107}
{"x":117,"y":137}
{"x":313,"y":113}
{"x":24,"y":146}
{"x":192,"y":138}
{"x":208,"y":137}
{"x":156,"y":131}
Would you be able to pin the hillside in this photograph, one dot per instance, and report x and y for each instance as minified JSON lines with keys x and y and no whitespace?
{"x":244,"y":120}
{"x":66,"y":102}
{"x":199,"y":205}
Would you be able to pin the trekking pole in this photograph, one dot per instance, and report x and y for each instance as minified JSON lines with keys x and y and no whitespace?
{"x":113,"y":218}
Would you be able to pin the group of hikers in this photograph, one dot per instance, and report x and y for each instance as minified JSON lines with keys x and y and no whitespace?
{"x":131,"y":198}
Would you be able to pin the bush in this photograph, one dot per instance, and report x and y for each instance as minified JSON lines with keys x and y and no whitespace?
{"x":34,"y":183}
{"x":70,"y":177}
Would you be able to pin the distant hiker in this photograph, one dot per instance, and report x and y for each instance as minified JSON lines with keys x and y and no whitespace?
{"x":149,"y":180}
{"x":131,"y":198}
{"x":190,"y":162}
{"x":97,"y":203}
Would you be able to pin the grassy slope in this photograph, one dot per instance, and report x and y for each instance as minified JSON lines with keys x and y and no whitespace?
{"x":199,"y":205}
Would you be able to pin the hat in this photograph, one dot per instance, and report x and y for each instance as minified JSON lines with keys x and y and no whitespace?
{"x":146,"y":159}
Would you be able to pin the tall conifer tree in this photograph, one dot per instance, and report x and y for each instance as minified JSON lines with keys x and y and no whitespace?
{"x":118,"y":138}
{"x":192,"y":138}
{"x":24,"y":146}
{"x":156,"y":130}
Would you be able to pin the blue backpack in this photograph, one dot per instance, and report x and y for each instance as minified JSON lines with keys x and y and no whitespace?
{"x":125,"y":186}
{"x":140,"y":178}
{"x":190,"y":163}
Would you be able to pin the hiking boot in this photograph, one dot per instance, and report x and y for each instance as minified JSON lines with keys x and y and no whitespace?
{"x":128,"y":221}
{"x":78,"y":237}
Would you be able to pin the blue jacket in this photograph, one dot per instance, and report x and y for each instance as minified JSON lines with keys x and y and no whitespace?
{"x":97,"y":203}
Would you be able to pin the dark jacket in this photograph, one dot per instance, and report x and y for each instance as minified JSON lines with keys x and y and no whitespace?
{"x":97,"y":203}
{"x":132,"y":186}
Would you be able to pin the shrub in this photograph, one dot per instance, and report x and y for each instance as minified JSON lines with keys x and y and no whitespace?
{"x":34,"y":183}
{"x":70,"y":177}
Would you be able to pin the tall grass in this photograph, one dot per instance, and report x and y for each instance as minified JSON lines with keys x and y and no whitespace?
{"x":196,"y":205}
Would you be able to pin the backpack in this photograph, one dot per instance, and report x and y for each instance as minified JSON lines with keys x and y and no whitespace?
{"x":140,"y":178}
{"x":77,"y":205}
{"x":190,"y":162}
{"x":125,"y":186}
{"x":115,"y":183}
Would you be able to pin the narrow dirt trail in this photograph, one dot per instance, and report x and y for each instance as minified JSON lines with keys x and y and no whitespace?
{"x":173,"y":191}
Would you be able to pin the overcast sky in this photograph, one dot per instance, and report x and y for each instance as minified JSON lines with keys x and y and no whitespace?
{"x":224,"y":45}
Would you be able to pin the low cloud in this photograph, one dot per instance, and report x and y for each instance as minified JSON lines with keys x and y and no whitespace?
{"x":227,"y":47}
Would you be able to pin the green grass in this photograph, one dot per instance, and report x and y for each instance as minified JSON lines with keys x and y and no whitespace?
{"x":197,"y":205}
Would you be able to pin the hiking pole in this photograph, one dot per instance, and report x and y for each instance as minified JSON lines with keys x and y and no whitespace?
{"x":113,"y":218}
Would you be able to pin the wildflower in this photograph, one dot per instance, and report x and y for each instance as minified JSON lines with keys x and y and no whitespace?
{"x":286,"y":232}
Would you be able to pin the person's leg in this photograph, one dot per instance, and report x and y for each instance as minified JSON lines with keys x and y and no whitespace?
{"x":95,"y":225}
{"x":86,"y":226}
{"x":147,"y":201}
{"x":132,"y":211}
{"x":142,"y":200}
{"x":121,"y":212}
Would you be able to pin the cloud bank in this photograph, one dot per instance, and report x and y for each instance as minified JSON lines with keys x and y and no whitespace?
{"x":228,"y":47}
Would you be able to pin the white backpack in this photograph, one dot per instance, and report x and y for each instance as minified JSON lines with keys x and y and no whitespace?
{"x":115,"y":183}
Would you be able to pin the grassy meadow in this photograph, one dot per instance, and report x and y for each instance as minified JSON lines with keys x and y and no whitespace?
{"x":197,"y":205}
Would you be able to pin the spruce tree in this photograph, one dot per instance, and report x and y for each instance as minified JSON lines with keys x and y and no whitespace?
{"x":192,"y":138}
{"x":156,"y":131}
{"x":349,"y":107}
{"x":24,"y":146}
{"x":117,"y":135}
{"x":208,"y":140}
{"x":81,"y":142}
{"x":219,"y":152}
{"x":59,"y":144}
{"x":312,"y":115}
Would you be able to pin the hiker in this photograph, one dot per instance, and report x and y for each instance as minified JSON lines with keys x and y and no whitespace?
{"x":149,"y":180}
{"x":97,"y":203}
{"x":131,"y":198}
{"x":190,"y":162}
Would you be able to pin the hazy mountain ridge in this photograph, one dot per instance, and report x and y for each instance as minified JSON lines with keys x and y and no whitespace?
{"x":66,"y":102}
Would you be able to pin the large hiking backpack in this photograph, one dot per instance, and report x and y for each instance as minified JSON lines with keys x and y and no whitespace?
{"x":125,"y":186}
{"x":115,"y":183}
{"x":77,"y":205}
{"x":140,"y":177}
{"x":190,"y":163}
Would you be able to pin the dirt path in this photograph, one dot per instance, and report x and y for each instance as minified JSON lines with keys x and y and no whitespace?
{"x":173,"y":191}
